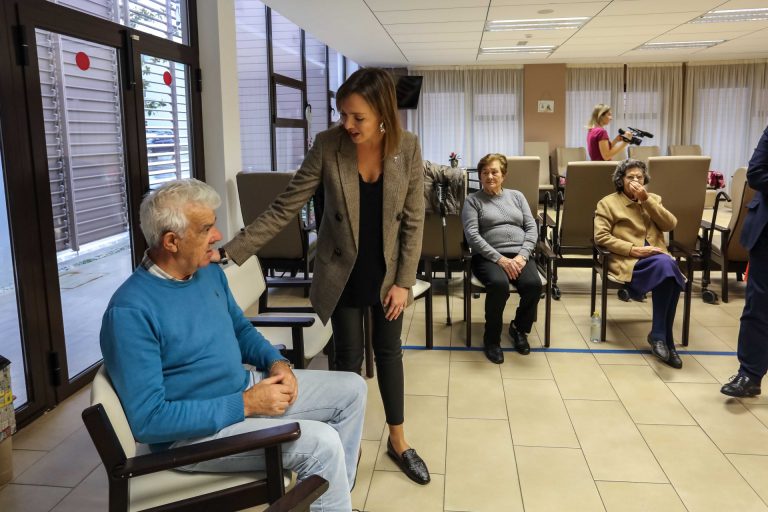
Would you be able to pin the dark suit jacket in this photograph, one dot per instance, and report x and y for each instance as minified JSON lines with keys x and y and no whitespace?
{"x":757,"y":177}
{"x":332,"y":161}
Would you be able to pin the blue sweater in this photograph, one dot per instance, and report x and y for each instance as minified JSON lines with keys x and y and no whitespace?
{"x":174,"y":351}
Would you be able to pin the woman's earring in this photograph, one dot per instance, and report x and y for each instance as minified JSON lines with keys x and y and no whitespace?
{"x":381,"y":127}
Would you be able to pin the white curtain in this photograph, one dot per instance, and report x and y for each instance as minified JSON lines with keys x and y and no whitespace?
{"x":469,"y":111}
{"x":654,"y":103}
{"x":726,"y":108}
{"x":585,"y":88}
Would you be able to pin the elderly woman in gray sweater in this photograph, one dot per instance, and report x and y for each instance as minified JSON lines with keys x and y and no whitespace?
{"x":502,"y":234}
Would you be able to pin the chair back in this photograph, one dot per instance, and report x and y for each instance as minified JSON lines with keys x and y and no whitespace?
{"x":567,"y":155}
{"x":523,"y":175}
{"x":257,"y":190}
{"x":681,"y":181}
{"x":103,"y":393}
{"x":246,"y":282}
{"x":689,"y":150}
{"x":432,"y":239}
{"x":741,"y":195}
{"x":643,"y":153}
{"x":541,"y":150}
{"x":588,"y":183}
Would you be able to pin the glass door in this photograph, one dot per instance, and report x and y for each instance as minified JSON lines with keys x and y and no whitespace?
{"x":82,"y":109}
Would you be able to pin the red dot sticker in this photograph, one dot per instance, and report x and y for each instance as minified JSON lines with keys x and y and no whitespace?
{"x":167,"y":78}
{"x":83,"y":61}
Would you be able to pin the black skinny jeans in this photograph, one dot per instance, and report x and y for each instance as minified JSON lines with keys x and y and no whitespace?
{"x":496,"y":284}
{"x":349,"y":345}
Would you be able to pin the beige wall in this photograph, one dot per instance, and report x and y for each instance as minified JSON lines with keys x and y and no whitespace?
{"x":544,"y":82}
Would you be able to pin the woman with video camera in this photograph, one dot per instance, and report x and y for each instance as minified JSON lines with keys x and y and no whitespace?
{"x":599,"y":144}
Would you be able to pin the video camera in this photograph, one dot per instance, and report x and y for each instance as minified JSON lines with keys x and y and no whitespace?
{"x":634,"y":135}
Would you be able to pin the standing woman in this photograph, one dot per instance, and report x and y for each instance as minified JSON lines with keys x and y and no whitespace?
{"x":599,"y":144}
{"x":369,"y":242}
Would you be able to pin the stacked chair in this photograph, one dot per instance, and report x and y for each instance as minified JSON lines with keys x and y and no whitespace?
{"x":728,"y":255}
{"x":547,"y":180}
{"x":293,"y":249}
{"x":643,"y":153}
{"x":570,"y":238}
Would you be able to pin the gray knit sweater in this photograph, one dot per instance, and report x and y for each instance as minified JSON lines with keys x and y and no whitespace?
{"x":499,"y":224}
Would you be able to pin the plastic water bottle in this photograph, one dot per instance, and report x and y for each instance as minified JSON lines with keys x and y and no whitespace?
{"x":594,"y":328}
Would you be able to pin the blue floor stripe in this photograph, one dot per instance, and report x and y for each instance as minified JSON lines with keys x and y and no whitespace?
{"x":581,"y":350}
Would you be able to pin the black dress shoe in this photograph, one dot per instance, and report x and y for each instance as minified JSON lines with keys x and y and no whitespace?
{"x":519,"y":340}
{"x":741,"y":386}
{"x":659,"y":349}
{"x":410,"y":463}
{"x":494,"y":353}
{"x":674,"y":359}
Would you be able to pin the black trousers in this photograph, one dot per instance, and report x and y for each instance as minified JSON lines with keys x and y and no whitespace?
{"x":496,"y":284}
{"x":349,"y":345}
{"x":753,"y":332}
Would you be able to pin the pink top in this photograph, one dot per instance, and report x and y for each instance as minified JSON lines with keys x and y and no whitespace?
{"x":594,"y":137}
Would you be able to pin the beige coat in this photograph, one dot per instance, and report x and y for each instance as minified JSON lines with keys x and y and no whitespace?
{"x":621,"y":224}
{"x":332,"y":162}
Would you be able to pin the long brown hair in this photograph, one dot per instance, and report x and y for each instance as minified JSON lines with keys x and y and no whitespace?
{"x":378,"y":89}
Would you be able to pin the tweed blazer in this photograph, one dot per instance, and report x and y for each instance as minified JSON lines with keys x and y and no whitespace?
{"x":332,"y":162}
{"x":621,"y":224}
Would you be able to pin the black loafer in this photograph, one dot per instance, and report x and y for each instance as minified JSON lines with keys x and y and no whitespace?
{"x":741,"y":386}
{"x":410,"y":463}
{"x":674,"y":359}
{"x":494,"y":353}
{"x":659,"y":349}
{"x":519,"y":340}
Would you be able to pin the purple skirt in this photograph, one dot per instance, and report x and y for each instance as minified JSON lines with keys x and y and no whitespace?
{"x":651,"y":271}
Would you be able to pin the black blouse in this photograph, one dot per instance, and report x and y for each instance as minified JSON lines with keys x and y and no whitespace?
{"x":364,"y":284}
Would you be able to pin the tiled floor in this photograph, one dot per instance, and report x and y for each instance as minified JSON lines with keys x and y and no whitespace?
{"x":574,"y":428}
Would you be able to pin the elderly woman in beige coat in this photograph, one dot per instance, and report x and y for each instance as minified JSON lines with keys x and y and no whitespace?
{"x":630,"y":224}
{"x":369,"y":242}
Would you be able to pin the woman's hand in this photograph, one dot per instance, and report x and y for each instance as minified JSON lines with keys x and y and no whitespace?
{"x":394,"y":302}
{"x":644,"y":252}
{"x":512,"y":266}
{"x":638,"y":191}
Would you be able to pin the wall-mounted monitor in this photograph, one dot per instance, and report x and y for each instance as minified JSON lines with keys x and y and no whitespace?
{"x":408,"y":90}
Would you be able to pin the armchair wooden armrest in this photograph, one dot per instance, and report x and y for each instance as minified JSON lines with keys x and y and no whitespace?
{"x":214,"y":449}
{"x":281,"y":321}
{"x":301,"y":496}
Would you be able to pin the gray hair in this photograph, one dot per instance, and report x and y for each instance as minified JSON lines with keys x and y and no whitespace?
{"x":626,"y":165}
{"x":162,"y":210}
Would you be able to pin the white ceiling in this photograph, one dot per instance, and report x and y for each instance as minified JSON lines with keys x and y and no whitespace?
{"x":443,"y":32}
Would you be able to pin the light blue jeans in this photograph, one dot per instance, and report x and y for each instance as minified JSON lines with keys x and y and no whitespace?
{"x":330,"y":409}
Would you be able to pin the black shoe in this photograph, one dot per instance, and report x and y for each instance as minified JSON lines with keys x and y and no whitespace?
{"x":410,"y":463}
{"x":519,"y":340}
{"x":674,"y":359}
{"x":494,"y":353}
{"x":741,"y":386}
{"x":659,"y":349}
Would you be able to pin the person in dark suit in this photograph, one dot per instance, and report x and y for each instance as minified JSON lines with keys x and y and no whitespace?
{"x":753,"y":340}
{"x":369,"y":243}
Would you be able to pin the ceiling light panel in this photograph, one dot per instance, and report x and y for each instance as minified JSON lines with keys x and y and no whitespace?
{"x":678,"y":45}
{"x":491,"y":50}
{"x":536,"y":24}
{"x":733,"y":15}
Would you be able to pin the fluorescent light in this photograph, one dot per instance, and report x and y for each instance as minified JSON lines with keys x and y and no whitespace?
{"x":518,"y":49}
{"x":675,"y":45}
{"x":536,"y":24}
{"x":731,"y":15}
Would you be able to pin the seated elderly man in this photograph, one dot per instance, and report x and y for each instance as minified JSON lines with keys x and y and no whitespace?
{"x":175,"y":342}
